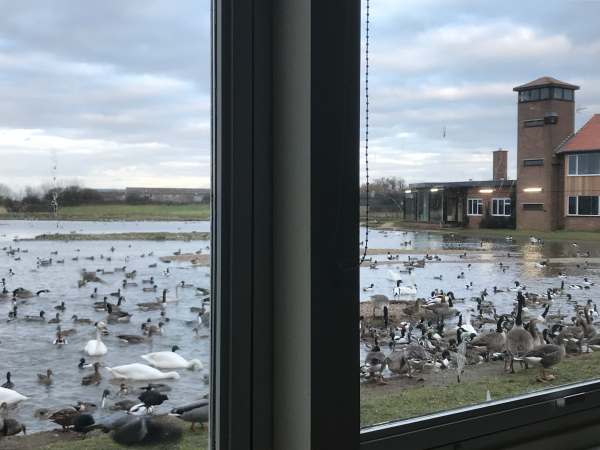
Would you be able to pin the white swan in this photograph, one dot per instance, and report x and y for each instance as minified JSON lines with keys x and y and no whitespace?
{"x":171,"y":360}
{"x":95,"y":347}
{"x":394,"y":276}
{"x":408,"y":290}
{"x":140,"y":372}
{"x":10,"y":397}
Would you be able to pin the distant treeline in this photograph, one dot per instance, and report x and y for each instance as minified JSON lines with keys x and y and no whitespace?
{"x":42,"y":199}
{"x":385,"y":194}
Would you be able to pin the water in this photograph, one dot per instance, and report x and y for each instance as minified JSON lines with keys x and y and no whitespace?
{"x":27,"y":348}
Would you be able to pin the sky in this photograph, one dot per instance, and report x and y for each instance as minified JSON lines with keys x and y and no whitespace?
{"x":117,"y":93}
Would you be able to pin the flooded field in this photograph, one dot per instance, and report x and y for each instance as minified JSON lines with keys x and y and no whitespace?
{"x":27,"y":347}
{"x":494,"y":271}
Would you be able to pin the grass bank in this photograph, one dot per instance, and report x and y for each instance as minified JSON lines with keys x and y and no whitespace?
{"x":121,"y":211}
{"x":151,"y":236}
{"x":396,"y":400}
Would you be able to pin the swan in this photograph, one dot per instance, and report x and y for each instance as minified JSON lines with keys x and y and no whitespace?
{"x":10,"y":397}
{"x":394,"y":276}
{"x":140,"y":372}
{"x":407,"y":290}
{"x":171,"y":360}
{"x":95,"y":347}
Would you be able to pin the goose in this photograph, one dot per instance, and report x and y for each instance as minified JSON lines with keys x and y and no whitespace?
{"x":45,"y":378}
{"x":493,"y":342}
{"x":196,"y":412}
{"x":61,"y":307}
{"x":171,"y":360}
{"x":150,"y":306}
{"x":117,"y":315}
{"x":140,"y":372}
{"x":39,"y":318}
{"x":151,"y":329}
{"x":587,"y":282}
{"x":546,"y":356}
{"x":95,"y":347}
{"x":93,"y":378}
{"x":202,"y":291}
{"x":42,"y":291}
{"x":95,"y":293}
{"x":9,"y":384}
{"x":518,"y":339}
{"x":8,"y":425}
{"x":369,"y":288}
{"x":116,"y":294}
{"x":10,"y":397}
{"x":22,"y":293}
{"x":125,"y":284}
{"x":148,"y":281}
{"x":150,"y":289}
{"x":165,"y":299}
{"x":56,"y":319}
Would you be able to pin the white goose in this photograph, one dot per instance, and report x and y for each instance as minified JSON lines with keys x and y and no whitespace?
{"x":10,"y":397}
{"x":171,"y":360}
{"x":95,"y":347}
{"x":140,"y":372}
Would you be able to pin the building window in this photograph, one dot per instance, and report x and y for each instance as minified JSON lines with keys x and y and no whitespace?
{"x":533,"y":206}
{"x":583,"y":205}
{"x":568,"y":94}
{"x":501,"y":206}
{"x":558,"y":93}
{"x":533,"y":123}
{"x":533,"y":162}
{"x":582,"y":164}
{"x":545,"y":93}
{"x":474,"y":207}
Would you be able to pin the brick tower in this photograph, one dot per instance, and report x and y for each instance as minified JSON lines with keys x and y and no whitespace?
{"x":546,"y":117}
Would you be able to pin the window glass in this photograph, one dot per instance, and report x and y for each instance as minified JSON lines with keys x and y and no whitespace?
{"x":568,"y":94}
{"x":573,"y":205}
{"x":588,"y":164}
{"x":105,"y":223}
{"x":426,"y":90}
{"x":572,"y":164}
{"x":587,"y":205}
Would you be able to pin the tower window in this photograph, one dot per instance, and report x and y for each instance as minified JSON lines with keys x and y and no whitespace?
{"x":533,"y":162}
{"x":558,"y":93}
{"x":534,"y":95}
{"x":533,"y":123}
{"x":544,"y":93}
{"x":568,"y":94}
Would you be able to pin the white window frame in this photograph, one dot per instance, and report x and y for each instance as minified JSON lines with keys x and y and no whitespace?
{"x":479,"y":203}
{"x":577,"y":206}
{"x":505,"y":201}
{"x":576,"y":157}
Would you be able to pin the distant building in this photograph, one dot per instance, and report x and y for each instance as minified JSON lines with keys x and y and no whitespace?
{"x":168,"y":195}
{"x":558,"y":173}
{"x":112,"y":195}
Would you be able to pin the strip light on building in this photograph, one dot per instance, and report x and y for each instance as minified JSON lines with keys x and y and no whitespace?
{"x":408,"y":191}
{"x":533,"y":189}
{"x":486,"y":191}
{"x":434,"y":189}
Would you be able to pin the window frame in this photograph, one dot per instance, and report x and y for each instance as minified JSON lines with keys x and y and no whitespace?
{"x":575,"y":157}
{"x":530,"y":160}
{"x":252,"y":378}
{"x":576,"y":197}
{"x":479,"y":204}
{"x":504,"y":201}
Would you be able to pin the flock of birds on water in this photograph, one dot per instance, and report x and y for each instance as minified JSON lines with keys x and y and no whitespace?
{"x":129,"y":413}
{"x":431,"y":334}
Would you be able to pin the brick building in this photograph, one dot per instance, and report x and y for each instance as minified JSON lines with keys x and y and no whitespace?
{"x":558,"y":173}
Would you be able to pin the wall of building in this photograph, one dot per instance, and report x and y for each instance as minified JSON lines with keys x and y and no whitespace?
{"x":483,"y":220}
{"x":575,"y":186}
{"x":540,"y":143}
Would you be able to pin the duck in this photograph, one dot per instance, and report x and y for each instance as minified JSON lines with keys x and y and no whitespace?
{"x":140,"y":372}
{"x":64,"y":417}
{"x":10,"y":397}
{"x":45,"y":378}
{"x":83,"y":365}
{"x":117,"y":315}
{"x":369,"y":288}
{"x":93,"y":378}
{"x":194,"y":413}
{"x":40,"y":318}
{"x":150,"y":289}
{"x":148,"y":281}
{"x":95,"y":347}
{"x":123,"y":405}
{"x":518,"y":340}
{"x":82,"y":321}
{"x":171,"y":360}
{"x":61,"y":307}
{"x":132,"y":338}
{"x":151,"y":329}
{"x":55,"y":319}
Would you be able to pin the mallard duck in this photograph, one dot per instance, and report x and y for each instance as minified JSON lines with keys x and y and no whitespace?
{"x":81,"y":321}
{"x":93,"y":378}
{"x":194,"y":412}
{"x":132,"y":338}
{"x":64,"y":417}
{"x":45,"y":378}
{"x":9,"y":384}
